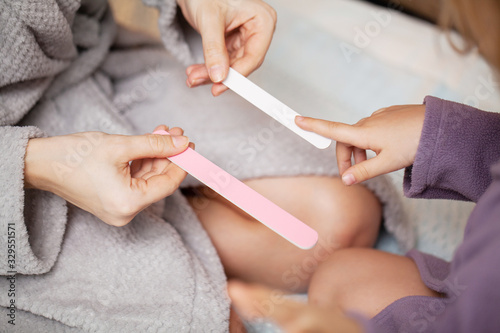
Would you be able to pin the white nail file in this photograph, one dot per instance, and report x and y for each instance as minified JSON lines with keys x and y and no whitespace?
{"x":271,"y":106}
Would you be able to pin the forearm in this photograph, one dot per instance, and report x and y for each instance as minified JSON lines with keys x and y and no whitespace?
{"x":92,"y":170}
{"x":21,"y":210}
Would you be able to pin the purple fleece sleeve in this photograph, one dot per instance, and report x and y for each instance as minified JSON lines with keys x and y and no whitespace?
{"x":455,"y":159}
{"x":476,"y":271}
{"x":458,"y":146}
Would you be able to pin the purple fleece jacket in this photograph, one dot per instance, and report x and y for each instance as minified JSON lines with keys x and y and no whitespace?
{"x":458,"y":158}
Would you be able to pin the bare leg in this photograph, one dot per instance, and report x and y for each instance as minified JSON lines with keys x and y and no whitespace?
{"x":365,"y":280}
{"x":343,"y":216}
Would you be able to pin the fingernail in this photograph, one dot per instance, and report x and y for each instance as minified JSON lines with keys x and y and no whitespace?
{"x":299,"y":118}
{"x":217,"y":73}
{"x":180,"y":141}
{"x":348,"y":179}
{"x":193,"y":83}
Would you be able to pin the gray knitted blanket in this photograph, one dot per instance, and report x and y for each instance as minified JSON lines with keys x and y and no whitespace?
{"x":72,"y":272}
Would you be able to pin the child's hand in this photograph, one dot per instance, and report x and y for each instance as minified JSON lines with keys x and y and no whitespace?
{"x":235,"y":33}
{"x":253,"y":301}
{"x":92,"y":170}
{"x":392,"y":133}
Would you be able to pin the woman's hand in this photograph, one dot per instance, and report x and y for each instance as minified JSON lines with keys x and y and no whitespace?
{"x":235,"y":33}
{"x":252,"y":301}
{"x":92,"y":170}
{"x":393,"y":133}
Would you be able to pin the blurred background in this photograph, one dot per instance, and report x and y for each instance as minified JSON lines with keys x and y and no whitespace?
{"x":137,"y":16}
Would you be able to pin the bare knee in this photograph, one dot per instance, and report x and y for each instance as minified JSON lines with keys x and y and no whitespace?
{"x":332,"y":278}
{"x":351,"y":218}
{"x":365,"y":280}
{"x":342,"y":216}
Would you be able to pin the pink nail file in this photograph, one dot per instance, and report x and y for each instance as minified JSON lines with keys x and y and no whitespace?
{"x":272,"y":107}
{"x":257,"y":206}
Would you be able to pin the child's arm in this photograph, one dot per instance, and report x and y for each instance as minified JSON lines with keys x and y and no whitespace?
{"x":459,"y":144}
{"x":447,"y":156}
{"x":392,"y":133}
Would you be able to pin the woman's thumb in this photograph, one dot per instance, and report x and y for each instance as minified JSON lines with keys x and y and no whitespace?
{"x":154,"y":146}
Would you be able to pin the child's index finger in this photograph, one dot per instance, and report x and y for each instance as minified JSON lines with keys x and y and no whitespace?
{"x":330,"y":129}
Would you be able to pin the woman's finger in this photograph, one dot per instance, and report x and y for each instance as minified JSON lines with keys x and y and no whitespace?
{"x":146,"y":165}
{"x":197,"y":75}
{"x":218,"y":88}
{"x":175,"y":131}
{"x":162,"y":185}
{"x":161,"y":128}
{"x":158,"y":167}
{"x":254,"y":51}
{"x":212,"y":27}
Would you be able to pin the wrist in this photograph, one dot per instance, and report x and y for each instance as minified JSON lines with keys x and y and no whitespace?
{"x":35,"y":164}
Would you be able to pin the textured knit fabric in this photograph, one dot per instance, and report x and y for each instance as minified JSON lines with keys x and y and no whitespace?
{"x":59,"y":62}
{"x":75,"y":273}
{"x":458,"y":158}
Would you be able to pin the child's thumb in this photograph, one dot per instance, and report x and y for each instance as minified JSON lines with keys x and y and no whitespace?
{"x":365,"y":170}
